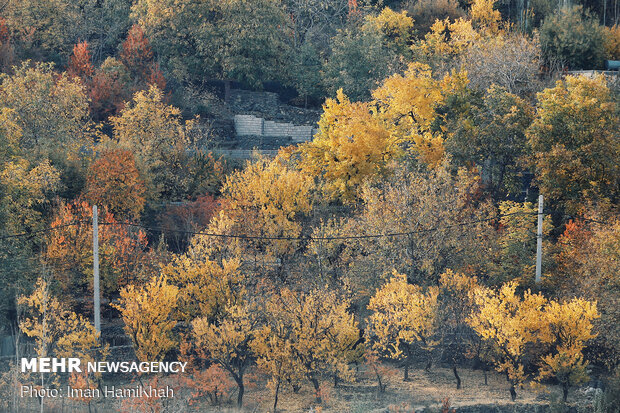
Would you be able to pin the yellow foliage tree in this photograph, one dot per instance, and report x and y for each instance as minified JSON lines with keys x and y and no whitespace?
{"x":509,"y":323}
{"x":227,"y":341}
{"x":147,"y":312}
{"x":396,"y":29}
{"x":569,"y":326}
{"x":484,"y":15}
{"x":352,"y":146}
{"x":407,"y":103}
{"x":51,"y":110}
{"x":575,"y":145}
{"x":206,"y":287}
{"x":264,"y":202}
{"x":306,"y":334}
{"x":445,"y":41}
{"x":57,"y":332}
{"x":403,"y":315}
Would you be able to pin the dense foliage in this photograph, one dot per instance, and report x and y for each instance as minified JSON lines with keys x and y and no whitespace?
{"x":403,"y":232}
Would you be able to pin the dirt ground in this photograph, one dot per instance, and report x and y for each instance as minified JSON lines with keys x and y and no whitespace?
{"x":424,"y":390}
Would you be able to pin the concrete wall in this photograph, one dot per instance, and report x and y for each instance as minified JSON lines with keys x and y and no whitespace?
{"x":251,"y":125}
{"x":248,"y":125}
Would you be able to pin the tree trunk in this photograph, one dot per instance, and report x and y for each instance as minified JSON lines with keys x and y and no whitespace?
{"x":486,"y":382}
{"x":565,"y":391}
{"x":275,"y":400}
{"x":456,"y":374}
{"x":241,"y":387}
{"x":317,"y":390}
{"x":381,"y":386}
{"x":513,"y":392}
{"x":406,"y":376}
{"x":336,"y":380}
{"x":429,"y":362}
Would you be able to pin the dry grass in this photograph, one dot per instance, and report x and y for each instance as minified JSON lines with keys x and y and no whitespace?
{"x":423,"y":390}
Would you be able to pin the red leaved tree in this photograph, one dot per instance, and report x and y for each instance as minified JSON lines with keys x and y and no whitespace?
{"x":136,"y":52}
{"x":113,"y":182}
{"x":80,"y":62}
{"x":123,"y":254}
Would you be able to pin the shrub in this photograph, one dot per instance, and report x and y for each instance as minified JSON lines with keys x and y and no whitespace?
{"x":572,"y":39}
{"x":612,"y":42}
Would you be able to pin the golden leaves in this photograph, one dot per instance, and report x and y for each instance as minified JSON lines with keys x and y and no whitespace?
{"x":147,"y":313}
{"x":403,"y":314}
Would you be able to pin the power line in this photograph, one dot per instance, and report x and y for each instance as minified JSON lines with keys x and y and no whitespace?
{"x":275,"y":238}
{"x":310,"y":237}
{"x":41,"y":231}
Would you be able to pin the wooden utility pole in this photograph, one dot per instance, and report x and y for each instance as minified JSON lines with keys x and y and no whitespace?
{"x":97,"y":303}
{"x":539,"y":239}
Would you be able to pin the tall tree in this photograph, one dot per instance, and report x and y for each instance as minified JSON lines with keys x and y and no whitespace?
{"x":575,"y":143}
{"x":404,"y":315}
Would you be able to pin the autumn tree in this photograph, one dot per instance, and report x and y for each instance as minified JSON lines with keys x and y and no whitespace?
{"x":396,"y":29}
{"x":455,"y":305}
{"x":425,"y":12}
{"x":136,"y":52}
{"x":484,"y":15}
{"x":574,"y":142}
{"x":228,"y":340}
{"x":264,"y":203}
{"x":570,"y":327}
{"x":113,"y":182}
{"x":509,"y":323}
{"x":57,"y":332}
{"x":403,"y":316}
{"x":147,"y":312}
{"x":27,"y":185}
{"x":123,"y":252}
{"x":80,"y":62}
{"x":206,"y":287}
{"x":446,"y":41}
{"x":352,"y":146}
{"x":159,"y":138}
{"x":612,"y":42}
{"x":407,"y":104}
{"x":429,"y":211}
{"x":306,"y":335}
{"x":178,"y":221}
{"x":509,"y":60}
{"x":27,"y":189}
{"x":51,"y":110}
{"x":7,"y":52}
{"x":490,"y":135}
{"x":109,"y":89}
{"x":587,"y":266}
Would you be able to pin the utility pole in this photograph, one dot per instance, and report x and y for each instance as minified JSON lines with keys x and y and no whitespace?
{"x":539,"y":239}
{"x":97,"y":304}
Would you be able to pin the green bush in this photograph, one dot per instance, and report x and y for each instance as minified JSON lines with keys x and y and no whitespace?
{"x":572,"y":39}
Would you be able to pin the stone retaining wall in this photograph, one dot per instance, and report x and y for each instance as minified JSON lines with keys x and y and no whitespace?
{"x":246,"y":125}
